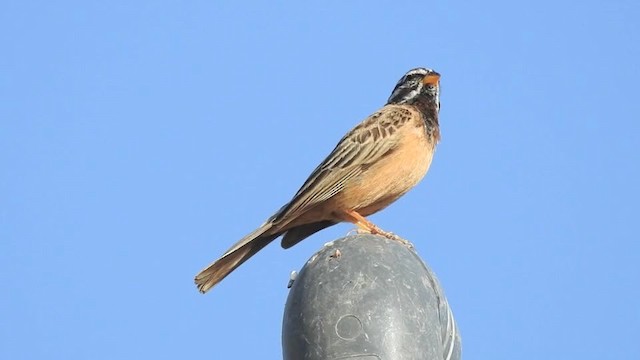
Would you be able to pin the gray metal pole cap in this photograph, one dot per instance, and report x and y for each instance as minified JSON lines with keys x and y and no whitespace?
{"x":366,"y":297}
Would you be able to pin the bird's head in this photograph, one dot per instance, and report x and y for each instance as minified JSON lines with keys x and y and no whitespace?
{"x":417,"y":86}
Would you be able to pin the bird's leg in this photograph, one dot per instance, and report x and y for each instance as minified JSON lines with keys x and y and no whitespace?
{"x":365,"y":225}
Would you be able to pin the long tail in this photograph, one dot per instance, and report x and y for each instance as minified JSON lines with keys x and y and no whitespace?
{"x":234,"y":257}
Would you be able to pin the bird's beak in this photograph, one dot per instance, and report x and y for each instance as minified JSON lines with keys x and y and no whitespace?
{"x":431,"y":79}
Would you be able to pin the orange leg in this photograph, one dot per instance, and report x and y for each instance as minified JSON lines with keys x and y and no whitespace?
{"x":367,"y":226}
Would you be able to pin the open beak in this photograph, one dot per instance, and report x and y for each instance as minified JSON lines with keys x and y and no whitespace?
{"x":431,"y":79}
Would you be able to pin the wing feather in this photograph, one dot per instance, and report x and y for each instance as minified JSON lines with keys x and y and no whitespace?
{"x":364,"y":145}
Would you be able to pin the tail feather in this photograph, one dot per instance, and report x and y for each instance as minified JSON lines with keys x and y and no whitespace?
{"x":234,"y":257}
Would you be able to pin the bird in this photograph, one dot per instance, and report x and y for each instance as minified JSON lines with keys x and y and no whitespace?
{"x":373,"y":165}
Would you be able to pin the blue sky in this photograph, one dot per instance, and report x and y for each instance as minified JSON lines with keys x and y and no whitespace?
{"x":140,"y":139}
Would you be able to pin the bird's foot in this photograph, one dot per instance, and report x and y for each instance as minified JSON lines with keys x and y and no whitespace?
{"x":365,"y":226}
{"x":392,"y":236}
{"x":378,"y":231}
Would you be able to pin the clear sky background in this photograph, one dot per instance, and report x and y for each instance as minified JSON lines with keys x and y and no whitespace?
{"x":140,"y":139}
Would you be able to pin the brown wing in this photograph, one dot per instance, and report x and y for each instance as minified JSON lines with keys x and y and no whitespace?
{"x":365,"y":144}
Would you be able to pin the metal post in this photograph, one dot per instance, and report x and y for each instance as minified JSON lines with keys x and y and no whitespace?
{"x":370,"y":298}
